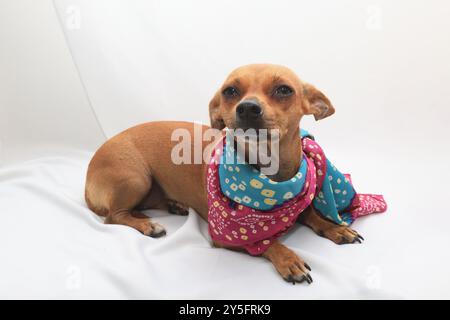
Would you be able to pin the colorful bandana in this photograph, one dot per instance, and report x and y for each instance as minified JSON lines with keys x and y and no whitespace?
{"x":244,"y":184}
{"x":247,"y":209}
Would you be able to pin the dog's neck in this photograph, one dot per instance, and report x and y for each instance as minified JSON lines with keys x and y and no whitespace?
{"x":290,"y":157}
{"x":290,"y":154}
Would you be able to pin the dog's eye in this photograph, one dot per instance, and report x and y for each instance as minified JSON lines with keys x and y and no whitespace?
{"x":230,"y":92}
{"x":283,"y":91}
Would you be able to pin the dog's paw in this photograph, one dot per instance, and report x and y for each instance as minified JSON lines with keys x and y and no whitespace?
{"x":292,"y":268}
{"x":297,"y":271}
{"x":152,"y":229}
{"x":177,"y":208}
{"x":341,"y":235}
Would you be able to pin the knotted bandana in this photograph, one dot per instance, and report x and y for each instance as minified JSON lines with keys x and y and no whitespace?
{"x":247,"y":209}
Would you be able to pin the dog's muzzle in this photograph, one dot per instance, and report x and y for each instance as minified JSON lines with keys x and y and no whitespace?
{"x":249,"y":114}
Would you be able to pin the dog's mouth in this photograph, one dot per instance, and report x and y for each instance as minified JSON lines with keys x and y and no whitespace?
{"x":261,"y":130}
{"x":250,"y":134}
{"x":254,"y":138}
{"x":250,"y":124}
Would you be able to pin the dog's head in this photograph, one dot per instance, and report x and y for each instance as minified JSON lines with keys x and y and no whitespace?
{"x":263,"y":96}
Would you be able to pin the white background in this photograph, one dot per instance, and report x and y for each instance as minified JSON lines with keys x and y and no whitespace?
{"x":43,"y":107}
{"x":383,"y":64}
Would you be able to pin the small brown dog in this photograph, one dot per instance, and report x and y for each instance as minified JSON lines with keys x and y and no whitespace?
{"x":134,"y":171}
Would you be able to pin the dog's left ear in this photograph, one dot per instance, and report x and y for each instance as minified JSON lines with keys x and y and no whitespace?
{"x":214,"y":113}
{"x":316,"y":103}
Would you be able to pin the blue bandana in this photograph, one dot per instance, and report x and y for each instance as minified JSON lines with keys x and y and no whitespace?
{"x":245,"y":185}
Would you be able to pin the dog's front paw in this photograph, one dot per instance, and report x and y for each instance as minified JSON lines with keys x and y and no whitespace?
{"x":341,"y":235}
{"x":295,"y":270}
{"x":288,"y":264}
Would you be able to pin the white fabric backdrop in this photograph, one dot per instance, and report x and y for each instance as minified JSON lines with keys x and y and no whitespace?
{"x":43,"y":107}
{"x":384,"y":66}
{"x":56,"y":248}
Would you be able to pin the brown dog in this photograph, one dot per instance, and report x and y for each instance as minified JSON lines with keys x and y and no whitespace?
{"x":134,"y":170}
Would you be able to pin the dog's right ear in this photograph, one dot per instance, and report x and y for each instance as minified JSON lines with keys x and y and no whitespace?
{"x":214,"y":112}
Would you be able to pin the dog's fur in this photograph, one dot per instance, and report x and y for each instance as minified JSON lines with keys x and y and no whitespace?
{"x":133,"y":171}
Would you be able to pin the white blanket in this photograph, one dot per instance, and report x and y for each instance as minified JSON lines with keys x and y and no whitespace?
{"x":53,"y":246}
{"x":392,"y":119}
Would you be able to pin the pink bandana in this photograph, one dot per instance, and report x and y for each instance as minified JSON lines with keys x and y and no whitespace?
{"x":236,"y":225}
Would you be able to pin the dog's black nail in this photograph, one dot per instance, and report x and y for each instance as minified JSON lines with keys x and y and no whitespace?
{"x":360,"y":236}
{"x":357,"y":240}
{"x":309,"y":279}
{"x":158,"y":235}
{"x":307,"y":266}
{"x":290,"y":279}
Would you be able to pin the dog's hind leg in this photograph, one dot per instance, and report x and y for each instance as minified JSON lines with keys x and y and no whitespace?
{"x":125,"y":196}
{"x":136,"y":220}
{"x":116,"y":197}
{"x":156,"y":199}
{"x":177,"y":208}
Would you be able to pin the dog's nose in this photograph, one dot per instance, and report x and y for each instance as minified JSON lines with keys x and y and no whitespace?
{"x":249,"y":110}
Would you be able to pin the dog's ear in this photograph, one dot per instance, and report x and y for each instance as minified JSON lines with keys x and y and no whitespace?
{"x":214,"y":112}
{"x":316,"y":103}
